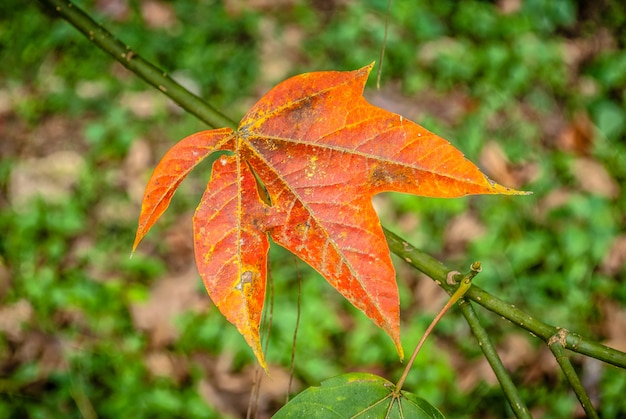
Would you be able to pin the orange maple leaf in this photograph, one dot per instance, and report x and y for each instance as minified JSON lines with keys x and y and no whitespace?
{"x":322,"y":152}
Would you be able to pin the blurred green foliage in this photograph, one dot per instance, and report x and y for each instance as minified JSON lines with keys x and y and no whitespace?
{"x":69,"y":260}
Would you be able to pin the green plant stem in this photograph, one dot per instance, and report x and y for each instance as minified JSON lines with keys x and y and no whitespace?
{"x":439,"y":272}
{"x":132,"y":61}
{"x":464,"y":285}
{"x":486,"y":345}
{"x":574,"y":341}
{"x":555,"y":343}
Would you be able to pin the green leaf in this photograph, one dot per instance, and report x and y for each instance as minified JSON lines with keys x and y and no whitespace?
{"x":357,"y":395}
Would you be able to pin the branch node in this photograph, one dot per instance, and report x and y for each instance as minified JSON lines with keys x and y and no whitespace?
{"x":559,"y":337}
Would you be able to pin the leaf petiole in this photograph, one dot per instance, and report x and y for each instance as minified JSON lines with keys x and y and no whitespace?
{"x":464,"y":286}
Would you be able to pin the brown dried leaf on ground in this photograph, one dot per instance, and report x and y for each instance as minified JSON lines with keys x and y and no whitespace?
{"x":615,"y":259}
{"x":227,"y":405}
{"x":508,"y":7}
{"x":497,"y":165}
{"x":167,"y":364}
{"x":556,"y":198}
{"x":594,"y":178}
{"x":229,"y":392}
{"x":541,"y":367}
{"x":52,"y":134}
{"x":236,"y":7}
{"x":169,"y":297}
{"x":5,"y":278}
{"x":13,"y":318}
{"x":576,"y":51}
{"x":158,"y":14}
{"x":137,"y":162}
{"x":428,"y":297}
{"x":578,"y":136}
{"x":614,"y":324}
{"x":145,"y":104}
{"x":51,"y":178}
{"x":6,"y":105}
{"x":280,"y":49}
{"x":43,"y":349}
{"x":179,"y":242}
{"x":473,"y":373}
{"x":114,"y":210}
{"x":516,"y":351}
{"x":460,"y":231}
{"x":114,"y":9}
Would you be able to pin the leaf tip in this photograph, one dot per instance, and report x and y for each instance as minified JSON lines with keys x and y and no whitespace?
{"x":401,"y":353}
{"x":511,"y":191}
{"x":138,"y":237}
{"x":258,"y":352}
{"x":368,"y":68}
{"x":394,"y":333}
{"x":505,"y":190}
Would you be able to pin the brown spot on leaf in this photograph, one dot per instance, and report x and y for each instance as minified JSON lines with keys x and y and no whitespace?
{"x":246,"y":278}
{"x":384,"y":176}
{"x":302,"y":111}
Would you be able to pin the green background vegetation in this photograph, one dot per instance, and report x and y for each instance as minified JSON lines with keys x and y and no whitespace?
{"x":533,"y":91}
